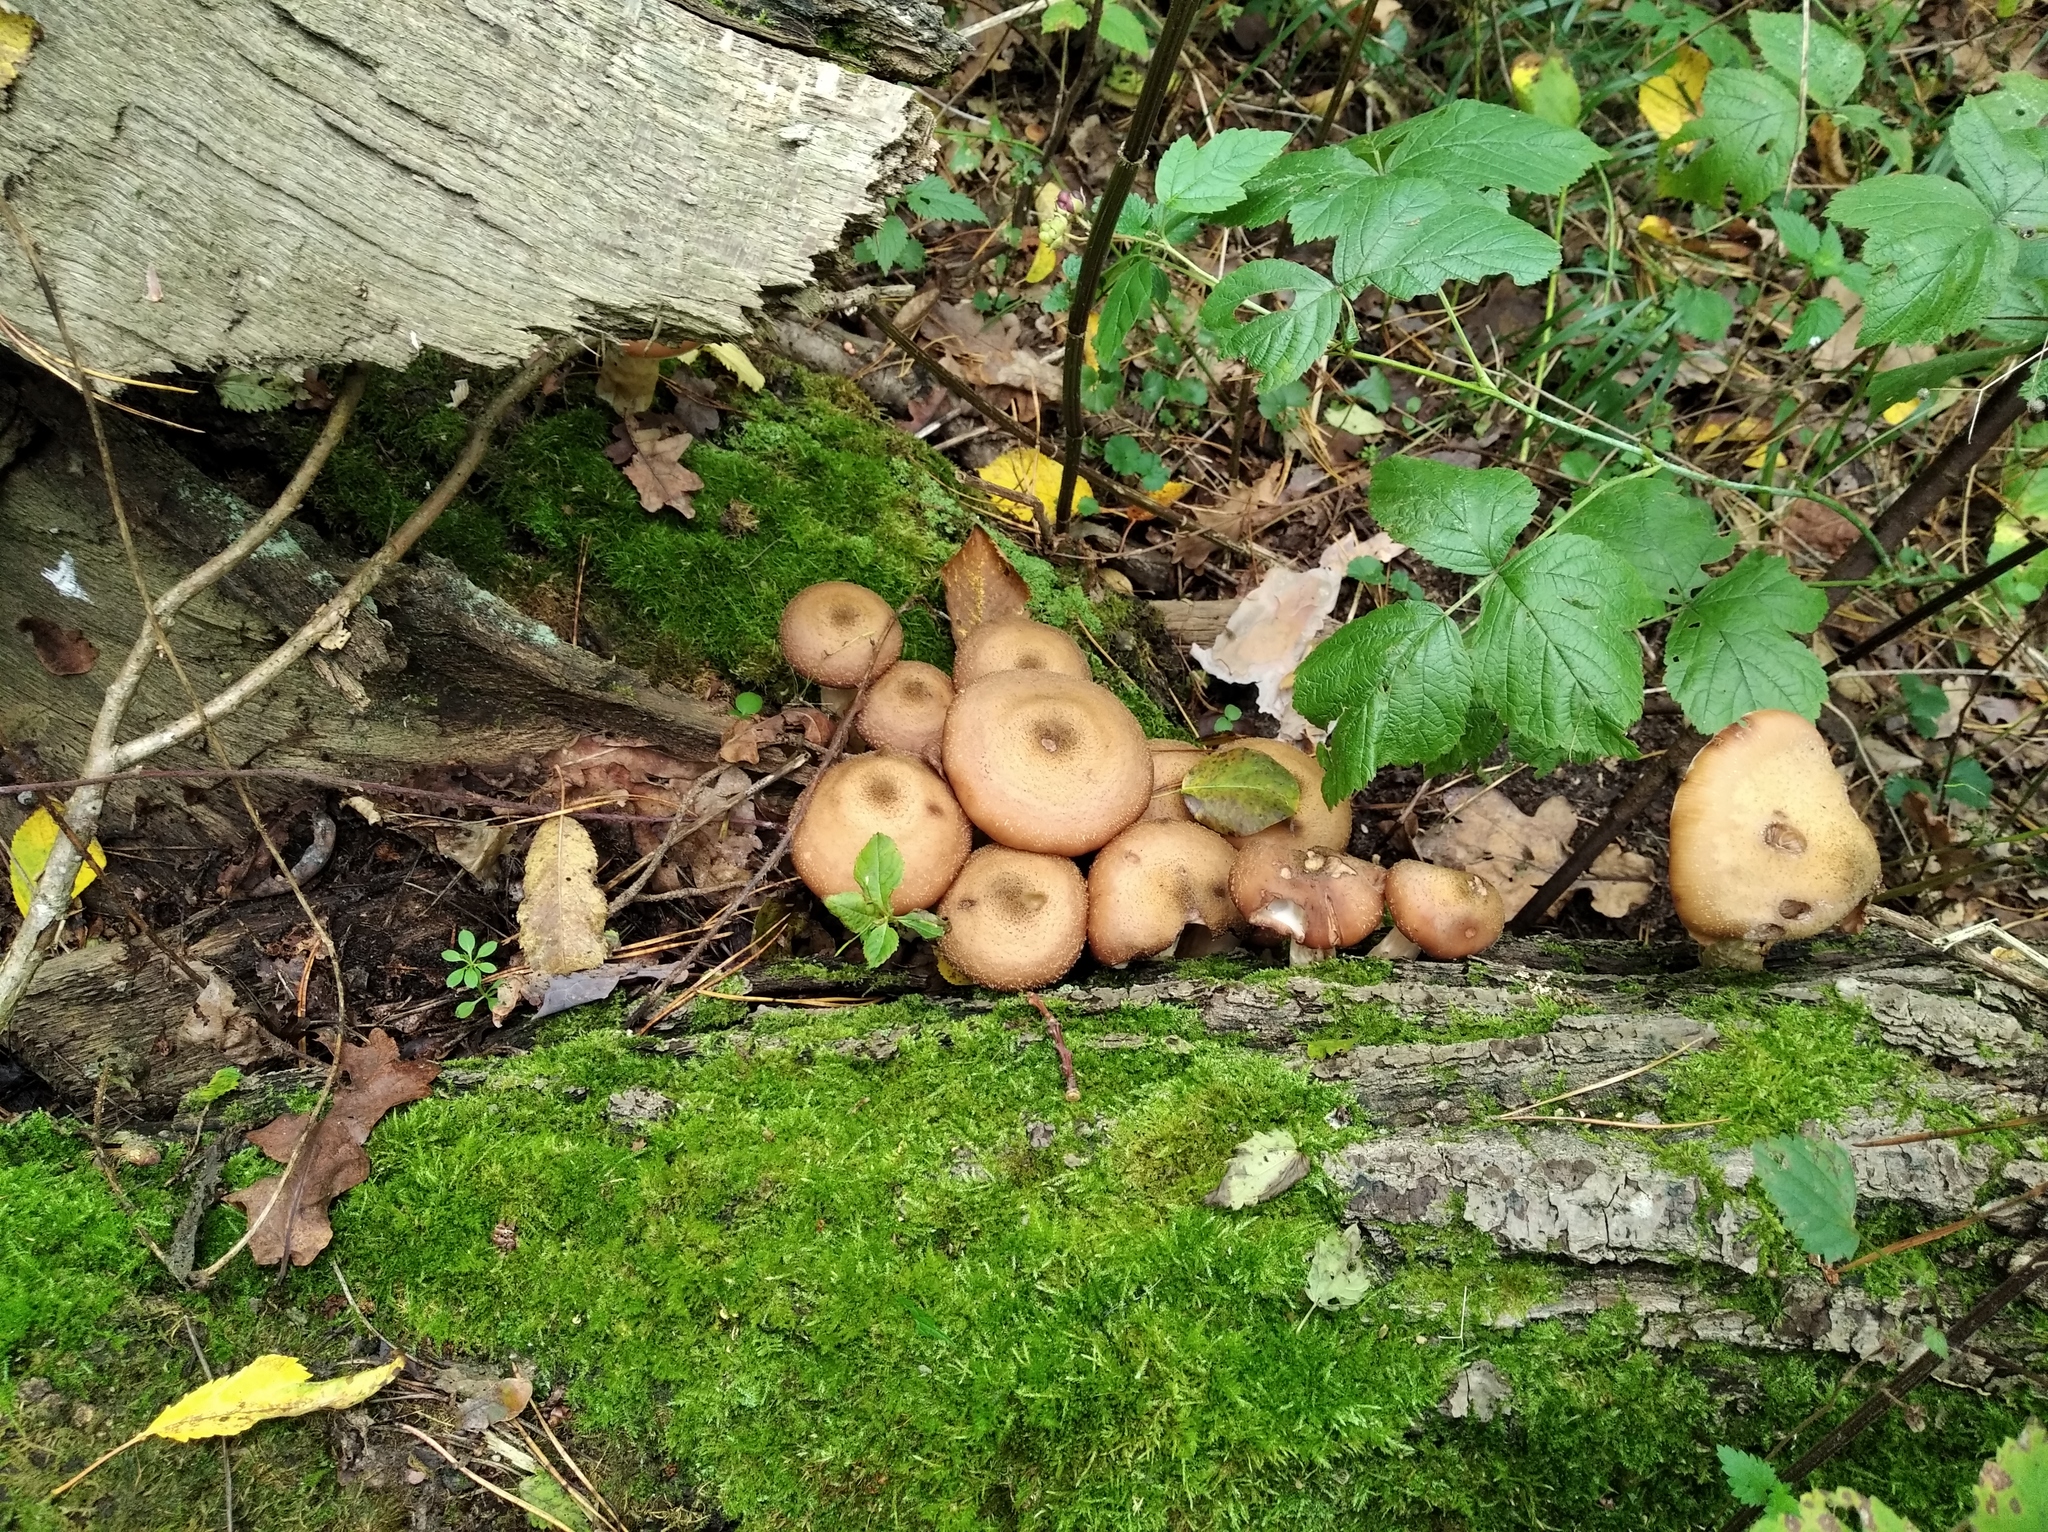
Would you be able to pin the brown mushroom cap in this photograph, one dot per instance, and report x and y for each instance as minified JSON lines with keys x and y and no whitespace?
{"x":906,"y":709}
{"x":1319,"y":897}
{"x":832,"y":632}
{"x":1315,"y":823}
{"x":1765,"y":845}
{"x":882,"y":794}
{"x":1152,"y":882}
{"x":1445,"y":912}
{"x":1045,"y":762}
{"x":1171,"y":760}
{"x":1016,"y":643}
{"x":1014,"y":919}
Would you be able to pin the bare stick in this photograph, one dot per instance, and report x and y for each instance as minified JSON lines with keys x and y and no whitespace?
{"x":505,"y":1495}
{"x":1520,"y":1113}
{"x":1059,"y":1043}
{"x":677,"y":830}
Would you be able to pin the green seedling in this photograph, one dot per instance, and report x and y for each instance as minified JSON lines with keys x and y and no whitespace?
{"x":867,"y":912}
{"x":471,"y":971}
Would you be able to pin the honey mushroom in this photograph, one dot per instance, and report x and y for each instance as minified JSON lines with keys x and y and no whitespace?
{"x":1315,"y":823}
{"x":1445,"y":912}
{"x":1318,"y":898}
{"x":882,"y":793}
{"x":1152,"y":883}
{"x":1014,"y":919}
{"x":835,"y":632}
{"x":906,"y":710}
{"x":1016,"y":643}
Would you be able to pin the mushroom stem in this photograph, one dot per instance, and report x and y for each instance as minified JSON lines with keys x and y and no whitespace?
{"x":1734,"y":953}
{"x":1299,"y":956}
{"x":836,"y":699}
{"x":1395,"y":945}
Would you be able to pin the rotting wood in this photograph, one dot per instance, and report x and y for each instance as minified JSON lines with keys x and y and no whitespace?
{"x":315,"y":180}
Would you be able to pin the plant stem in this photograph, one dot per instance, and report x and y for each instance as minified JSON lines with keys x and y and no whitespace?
{"x":1344,"y":73}
{"x":2023,"y":554}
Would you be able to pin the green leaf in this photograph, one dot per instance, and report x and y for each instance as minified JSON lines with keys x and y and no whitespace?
{"x":544,"y":1494}
{"x":1937,"y":257}
{"x":223,"y":1081}
{"x":1899,"y":384}
{"x":1464,"y":519}
{"x":1212,"y":177}
{"x":852,"y":911}
{"x":1124,"y":455}
{"x":878,"y":869}
{"x":1832,"y":64}
{"x":933,"y":198}
{"x":1284,"y":344}
{"x":1476,"y":144}
{"x":1555,"y":648}
{"x":1550,"y":93}
{"x":1260,"y":1169}
{"x":922,"y":923}
{"x":1240,"y":791}
{"x":1063,"y":16}
{"x":2006,"y":169}
{"x":1701,"y":312}
{"x":1969,"y":784}
{"x":1821,"y":318}
{"x":1801,"y":235}
{"x":1398,"y":682}
{"x":1934,"y":1340}
{"x":1750,"y":1479}
{"x":1663,"y":533}
{"x":890,"y":245}
{"x":1337,"y":1279}
{"x":1303,"y":175}
{"x":1122,"y":29}
{"x":1750,"y":125}
{"x":1127,"y":301}
{"x":1481,"y":737}
{"x":747,"y":704}
{"x":1730,"y":651}
{"x":878,"y":943}
{"x":2012,"y":1489}
{"x":1406,"y":235}
{"x":1813,"y":1187}
{"x":1926,"y":705}
{"x":251,"y":394}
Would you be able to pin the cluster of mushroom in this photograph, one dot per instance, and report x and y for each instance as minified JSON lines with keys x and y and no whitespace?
{"x":1020,"y":744}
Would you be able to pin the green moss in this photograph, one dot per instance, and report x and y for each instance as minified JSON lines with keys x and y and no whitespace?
{"x":1374,"y":1023}
{"x":66,"y":1254}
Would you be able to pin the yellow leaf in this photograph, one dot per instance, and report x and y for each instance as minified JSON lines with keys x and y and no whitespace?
{"x":1088,"y":343}
{"x":1042,"y":263}
{"x":269,"y":1388}
{"x":1672,"y":99}
{"x":1027,"y":471}
{"x":1046,"y":199}
{"x":18,"y":34}
{"x":30,"y":851}
{"x":1900,"y":413}
{"x":1170,"y":491}
{"x":561,"y":919}
{"x":1656,"y":226}
{"x":736,"y":363}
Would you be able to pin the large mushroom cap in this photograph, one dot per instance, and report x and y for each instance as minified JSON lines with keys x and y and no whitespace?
{"x":1014,"y":919}
{"x":1315,"y":823}
{"x":1445,"y":912}
{"x":832,"y":633}
{"x":1171,"y":760}
{"x":1151,"y":883}
{"x":1016,"y":643}
{"x":1045,"y":762}
{"x":882,"y":794}
{"x":1319,"y":897}
{"x":1765,"y":845}
{"x":906,"y":709}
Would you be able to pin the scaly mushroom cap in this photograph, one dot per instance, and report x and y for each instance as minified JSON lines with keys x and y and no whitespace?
{"x":1445,"y":912}
{"x":1045,"y":762}
{"x":832,"y":632}
{"x":1171,"y":760}
{"x":1319,"y":897}
{"x":1765,"y":845}
{"x":906,"y":709}
{"x":1151,"y":883}
{"x":1315,"y":823}
{"x":887,"y":794}
{"x":1014,"y":919}
{"x":1016,"y":643}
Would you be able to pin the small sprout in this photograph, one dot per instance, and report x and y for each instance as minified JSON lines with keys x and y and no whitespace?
{"x":869,"y":910}
{"x":471,"y":971}
{"x":1227,"y":720}
{"x":747,"y":704}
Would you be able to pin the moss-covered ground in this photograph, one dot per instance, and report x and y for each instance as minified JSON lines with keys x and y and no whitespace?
{"x":838,"y":1293}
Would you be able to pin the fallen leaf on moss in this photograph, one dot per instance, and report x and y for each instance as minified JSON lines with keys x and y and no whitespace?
{"x":1264,"y":1166}
{"x":376,"y":1081}
{"x":561,"y":919}
{"x":1337,"y":1278}
{"x":981,"y":586}
{"x":63,"y":651}
{"x":630,"y":373}
{"x":657,"y":472}
{"x":1518,"y":852}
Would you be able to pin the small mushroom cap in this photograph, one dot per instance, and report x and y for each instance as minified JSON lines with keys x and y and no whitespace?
{"x":1045,"y":762}
{"x":906,"y":709}
{"x":1014,"y":919}
{"x":887,"y":794}
{"x":1016,"y":643}
{"x":1315,"y":823}
{"x":1445,"y":912}
{"x":1171,"y":760}
{"x":1765,"y":845}
{"x":1151,"y":883}
{"x":832,"y":632}
{"x":1321,"y":898}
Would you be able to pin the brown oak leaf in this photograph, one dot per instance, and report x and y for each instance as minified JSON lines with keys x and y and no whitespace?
{"x":63,"y":651}
{"x":657,"y":472}
{"x":1518,"y":852}
{"x":981,"y":586}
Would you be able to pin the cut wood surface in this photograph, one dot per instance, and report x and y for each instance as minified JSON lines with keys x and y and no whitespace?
{"x":320,"y":180}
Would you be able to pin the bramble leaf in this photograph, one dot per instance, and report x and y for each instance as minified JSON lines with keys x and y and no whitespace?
{"x":2005,"y":168}
{"x":890,"y":245}
{"x":1398,"y":682}
{"x":1126,"y":301}
{"x":1465,"y":519}
{"x":1555,"y":649}
{"x":1813,"y":1186}
{"x":1285,"y":343}
{"x":1663,"y":533}
{"x":2012,"y":1489}
{"x":933,"y":198}
{"x":1819,"y":319}
{"x":1407,"y":235}
{"x":1211,"y":177}
{"x":1731,"y":650}
{"x":1751,"y":128}
{"x":1476,"y":144}
{"x":1937,"y":258}
{"x":1789,"y":43}
{"x":1701,"y":312}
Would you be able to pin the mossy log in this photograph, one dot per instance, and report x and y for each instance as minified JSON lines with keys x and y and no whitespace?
{"x":262,"y":183}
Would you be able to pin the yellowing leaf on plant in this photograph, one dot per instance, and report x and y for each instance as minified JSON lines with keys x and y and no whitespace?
{"x":1544,"y":87}
{"x":269,"y":1388}
{"x":1170,"y":492}
{"x":1898,"y":414}
{"x":1053,"y":227}
{"x":1045,"y":257}
{"x":1024,"y":471}
{"x":29,"y":853}
{"x":1088,"y":342}
{"x":18,"y":34}
{"x":1672,"y":99}
{"x":1656,"y":226}
{"x":735,"y":362}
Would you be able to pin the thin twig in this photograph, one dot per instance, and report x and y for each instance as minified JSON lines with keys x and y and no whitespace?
{"x":1929,"y":1236}
{"x":1913,"y":925}
{"x":502,"y":1494}
{"x":227,"y":1467}
{"x":1930,"y":1136}
{"x":1520,"y":1113}
{"x":1059,"y":1043}
{"x":677,"y":830}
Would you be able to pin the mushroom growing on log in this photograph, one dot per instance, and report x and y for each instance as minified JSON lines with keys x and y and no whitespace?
{"x":1043,"y":762}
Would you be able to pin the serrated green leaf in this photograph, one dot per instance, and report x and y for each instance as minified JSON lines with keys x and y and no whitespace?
{"x":1730,"y":651}
{"x":251,"y":394}
{"x":1285,"y":343}
{"x":1127,"y":300}
{"x":922,"y":923}
{"x":2012,"y":1489}
{"x":933,"y":198}
{"x":1063,"y":16}
{"x":1750,"y":128}
{"x":1701,"y":312}
{"x":1800,"y":234}
{"x":1481,"y":736}
{"x":2005,"y":169}
{"x":878,"y":870}
{"x":1969,"y":784}
{"x":852,"y":911}
{"x":1750,"y":1478}
{"x":1554,"y":649}
{"x":1123,"y":29}
{"x":1464,"y":519}
{"x":1407,"y":235}
{"x":1664,"y":534}
{"x":878,"y":943}
{"x":1476,"y":144}
{"x":1833,"y":65}
{"x":1898,"y":384}
{"x":1301,"y":176}
{"x":1240,"y":791}
{"x":891,"y":246}
{"x":1813,"y":1186}
{"x":1398,"y":682}
{"x":1936,"y":257}
{"x":1819,"y":319}
{"x":1211,"y":177}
